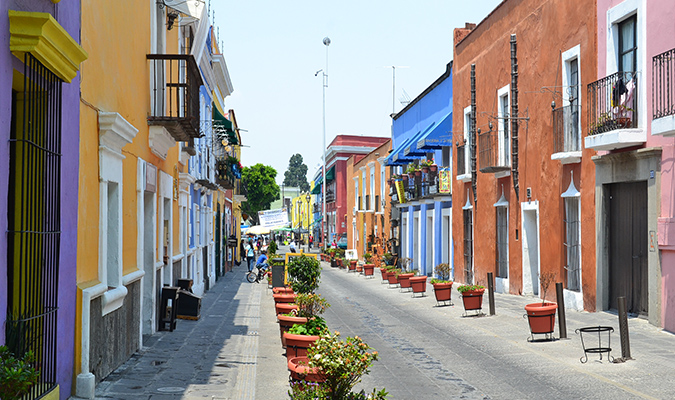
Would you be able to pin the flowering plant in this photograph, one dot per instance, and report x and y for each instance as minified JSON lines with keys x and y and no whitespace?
{"x":342,"y":363}
{"x":412,"y":167}
{"x":467,"y":288}
{"x":310,"y":305}
{"x":427,"y":163}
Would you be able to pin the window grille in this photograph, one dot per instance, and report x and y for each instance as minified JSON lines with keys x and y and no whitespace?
{"x":468,"y":246}
{"x":572,"y":244}
{"x":34,"y":221}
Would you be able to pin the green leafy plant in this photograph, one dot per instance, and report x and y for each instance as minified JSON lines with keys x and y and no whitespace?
{"x":17,"y":375}
{"x":303,"y":390}
{"x":468,"y":288}
{"x":342,"y":363}
{"x":443,"y":273}
{"x":367,"y":257}
{"x":304,"y":273}
{"x":310,"y":304}
{"x":272,"y":248}
{"x":412,"y":167}
{"x":313,"y":327}
{"x":427,"y":163}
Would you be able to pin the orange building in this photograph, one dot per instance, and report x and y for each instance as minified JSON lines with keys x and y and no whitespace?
{"x":524,"y":183}
{"x":368,"y":205}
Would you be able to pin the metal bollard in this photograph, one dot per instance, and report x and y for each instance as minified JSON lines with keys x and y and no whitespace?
{"x":562,"y":322}
{"x":491,"y":292}
{"x":623,"y":329}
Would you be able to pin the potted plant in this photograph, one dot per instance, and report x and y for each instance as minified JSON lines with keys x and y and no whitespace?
{"x":304,"y":273}
{"x":301,"y":337}
{"x":368,"y":269}
{"x":472,"y":297}
{"x":418,"y":284}
{"x":328,"y":357}
{"x":404,"y":279}
{"x":392,"y":276}
{"x":541,"y":316}
{"x":426,"y":164}
{"x":310,"y":306}
{"x":17,"y":375}
{"x":442,"y":285}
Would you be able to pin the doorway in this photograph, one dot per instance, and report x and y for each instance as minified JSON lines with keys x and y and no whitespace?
{"x":530,"y":220}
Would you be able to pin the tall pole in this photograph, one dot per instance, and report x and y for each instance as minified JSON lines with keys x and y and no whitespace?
{"x":326,"y":42}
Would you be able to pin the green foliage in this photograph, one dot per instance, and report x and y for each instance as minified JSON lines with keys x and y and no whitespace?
{"x":412,"y":167}
{"x":313,"y":327}
{"x":310,"y":305}
{"x":16,"y":375}
{"x":272,"y":248}
{"x":367,"y":257}
{"x":304,"y":273}
{"x":261,"y":189}
{"x":443,"y":272}
{"x":468,"y":288}
{"x":315,"y":391}
{"x":342,"y":363}
{"x":296,"y":174}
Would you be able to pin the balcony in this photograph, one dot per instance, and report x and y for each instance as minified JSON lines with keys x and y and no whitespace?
{"x":330,"y":196}
{"x":489,"y":157}
{"x":663,"y":94}
{"x":175,"y":95}
{"x":612,"y":113}
{"x":228,"y":172}
{"x":566,"y":134}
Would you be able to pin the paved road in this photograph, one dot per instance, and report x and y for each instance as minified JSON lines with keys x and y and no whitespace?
{"x":430,"y":352}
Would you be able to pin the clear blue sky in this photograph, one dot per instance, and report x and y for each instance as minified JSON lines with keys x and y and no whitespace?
{"x":273,"y":49}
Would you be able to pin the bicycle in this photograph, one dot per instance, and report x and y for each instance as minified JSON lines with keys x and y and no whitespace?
{"x":256,"y":277}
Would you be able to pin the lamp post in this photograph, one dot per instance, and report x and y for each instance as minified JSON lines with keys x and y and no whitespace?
{"x":326,"y":42}
{"x":308,"y":197}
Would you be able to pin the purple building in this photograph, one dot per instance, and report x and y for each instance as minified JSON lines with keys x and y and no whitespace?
{"x":39,"y":141}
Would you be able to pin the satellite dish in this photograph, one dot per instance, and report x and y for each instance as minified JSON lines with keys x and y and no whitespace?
{"x":326,"y":40}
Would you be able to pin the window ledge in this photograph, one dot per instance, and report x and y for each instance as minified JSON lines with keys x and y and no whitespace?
{"x":502,"y":174}
{"x":616,"y":139}
{"x":113,"y":299}
{"x":464,"y":178}
{"x":568,"y":157}
{"x":664,"y":126}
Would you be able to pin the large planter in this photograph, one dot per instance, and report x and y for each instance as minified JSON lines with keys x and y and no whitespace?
{"x":418,"y":284}
{"x":286,"y":323}
{"x":297,"y":345}
{"x":392,"y":278}
{"x":473,"y":299}
{"x":282,"y":290}
{"x":541,"y":317}
{"x":385,"y":275}
{"x":284,"y":308}
{"x":300,"y":371}
{"x":443,"y":291}
{"x":404,"y":280}
{"x":352,"y":265}
{"x":368,"y":269}
{"x":283,"y":298}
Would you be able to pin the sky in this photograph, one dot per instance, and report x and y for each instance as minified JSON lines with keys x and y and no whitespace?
{"x":273,"y":50}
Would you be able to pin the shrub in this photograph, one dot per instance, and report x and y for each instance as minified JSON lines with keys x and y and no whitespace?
{"x":16,"y":375}
{"x":313,"y":327}
{"x":467,"y":288}
{"x":310,"y":305}
{"x":443,"y":273}
{"x":272,"y":248}
{"x":304,"y":273}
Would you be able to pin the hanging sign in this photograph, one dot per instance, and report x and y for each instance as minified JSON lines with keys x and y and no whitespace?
{"x":444,"y":182}
{"x":400,"y":191}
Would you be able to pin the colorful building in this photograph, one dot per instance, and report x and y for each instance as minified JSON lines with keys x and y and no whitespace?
{"x":368,"y":200}
{"x":525,"y":185}
{"x":39,"y":85}
{"x":422,"y":133}
{"x":302,"y":217}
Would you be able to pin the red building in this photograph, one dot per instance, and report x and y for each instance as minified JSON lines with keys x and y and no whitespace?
{"x":337,"y":154}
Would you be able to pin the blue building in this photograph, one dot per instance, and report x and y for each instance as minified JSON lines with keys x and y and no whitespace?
{"x":421,"y":132}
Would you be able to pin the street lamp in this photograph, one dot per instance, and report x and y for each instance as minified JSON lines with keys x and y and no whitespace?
{"x":308,"y":197}
{"x":326,"y":42}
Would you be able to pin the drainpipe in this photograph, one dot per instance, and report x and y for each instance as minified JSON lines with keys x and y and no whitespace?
{"x":472,"y":133}
{"x":514,"y":116}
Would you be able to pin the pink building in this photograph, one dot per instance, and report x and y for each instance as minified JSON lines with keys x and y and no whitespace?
{"x":632,"y":125}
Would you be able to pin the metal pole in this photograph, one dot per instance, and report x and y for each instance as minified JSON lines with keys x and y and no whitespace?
{"x":623,"y":329}
{"x":562,"y":322}
{"x":491,"y":292}
{"x":326,"y":42}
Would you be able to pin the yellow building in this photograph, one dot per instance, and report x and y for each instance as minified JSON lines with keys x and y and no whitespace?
{"x":302,"y":216}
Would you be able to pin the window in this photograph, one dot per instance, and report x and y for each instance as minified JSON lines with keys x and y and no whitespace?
{"x":371,"y":206}
{"x":503,"y":126}
{"x":463,"y":149}
{"x":627,"y":45}
{"x":468,"y":246}
{"x":382,"y":182}
{"x":363,"y":186}
{"x":357,"y":203}
{"x":502,"y":242}
{"x":572,"y":243}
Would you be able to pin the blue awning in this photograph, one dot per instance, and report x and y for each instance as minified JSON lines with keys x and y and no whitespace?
{"x":412,"y":150}
{"x":397,"y":157}
{"x":439,"y":136}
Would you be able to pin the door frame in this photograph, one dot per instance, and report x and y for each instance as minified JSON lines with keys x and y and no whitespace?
{"x":529,"y":207}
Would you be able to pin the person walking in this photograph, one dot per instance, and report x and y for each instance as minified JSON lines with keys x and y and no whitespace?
{"x":250,"y":255}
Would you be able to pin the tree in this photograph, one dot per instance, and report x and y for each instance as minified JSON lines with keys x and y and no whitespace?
{"x":296,"y":174}
{"x":261,"y":189}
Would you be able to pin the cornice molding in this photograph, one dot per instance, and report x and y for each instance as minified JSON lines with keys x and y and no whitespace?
{"x":114,"y":131}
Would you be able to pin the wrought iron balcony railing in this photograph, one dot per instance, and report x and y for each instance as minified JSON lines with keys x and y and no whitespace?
{"x":663,"y":84}
{"x":461,"y":159}
{"x":330,"y":196}
{"x":489,"y":156}
{"x":175,"y":94}
{"x":613,"y":103}
{"x":566,"y":132}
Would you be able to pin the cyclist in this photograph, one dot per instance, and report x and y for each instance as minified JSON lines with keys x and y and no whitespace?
{"x":262,"y":261}
{"x":261,"y":266}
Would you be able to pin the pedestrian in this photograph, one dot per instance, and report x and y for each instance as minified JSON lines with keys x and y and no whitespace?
{"x":292,"y":246}
{"x":250,"y":254}
{"x":310,"y":240}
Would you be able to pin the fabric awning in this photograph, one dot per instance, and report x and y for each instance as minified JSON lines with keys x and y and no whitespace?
{"x":396,"y":157}
{"x":412,"y":150}
{"x":192,"y":9}
{"x":437,"y":137}
{"x":316,"y":189}
{"x":330,"y":175}
{"x":223,"y":126}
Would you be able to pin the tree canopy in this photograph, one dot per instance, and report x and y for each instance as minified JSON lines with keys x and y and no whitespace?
{"x":261,"y":189}
{"x":296,"y":174}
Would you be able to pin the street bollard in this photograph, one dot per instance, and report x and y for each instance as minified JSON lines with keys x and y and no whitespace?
{"x":623,"y":329}
{"x":562,"y":322}
{"x":491,"y":292}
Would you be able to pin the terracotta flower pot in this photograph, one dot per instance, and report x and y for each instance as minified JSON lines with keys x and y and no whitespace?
{"x":541,"y":317}
{"x":297,"y":345}
{"x":369,"y":269}
{"x":283,"y":298}
{"x":282,"y":290}
{"x":352,"y":265}
{"x":418,"y":172}
{"x":425,"y":170}
{"x":418,"y":284}
{"x":300,"y":371}
{"x":443,"y":291}
{"x":385,"y":275}
{"x":286,"y":323}
{"x":473,"y":299}
{"x":284,"y":308}
{"x":392,"y":278}
{"x":433,"y":167}
{"x":404,"y":280}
